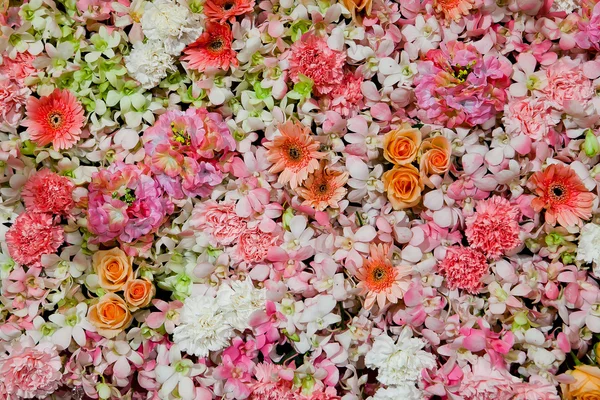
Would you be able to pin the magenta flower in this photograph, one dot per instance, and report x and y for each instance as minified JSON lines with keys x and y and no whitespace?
{"x":125,"y":203}
{"x":183,"y":150}
{"x":456,"y":85}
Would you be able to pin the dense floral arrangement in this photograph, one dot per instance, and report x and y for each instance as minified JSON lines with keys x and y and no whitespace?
{"x":300,"y":199}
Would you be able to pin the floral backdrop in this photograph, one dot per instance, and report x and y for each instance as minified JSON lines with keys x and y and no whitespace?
{"x":300,"y":199}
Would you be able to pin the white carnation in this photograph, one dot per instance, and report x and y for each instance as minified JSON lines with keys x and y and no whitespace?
{"x":238,"y":300}
{"x":404,"y":392}
{"x":588,"y":249}
{"x":203,"y":327}
{"x":170,"y":23}
{"x":148,"y":63}
{"x":565,"y":5}
{"x":400,"y":362}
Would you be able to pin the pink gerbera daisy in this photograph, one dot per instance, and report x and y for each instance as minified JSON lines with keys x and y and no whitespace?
{"x":226,"y":10}
{"x":46,"y":191}
{"x":57,"y":119}
{"x":324,"y":188}
{"x":563,"y":195}
{"x":31,"y":236}
{"x":295,"y":154}
{"x":313,"y":58}
{"x":212,"y":49}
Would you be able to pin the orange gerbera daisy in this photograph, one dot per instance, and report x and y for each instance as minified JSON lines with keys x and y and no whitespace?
{"x":295,"y":154}
{"x":212,"y":49}
{"x":380,"y":280}
{"x":453,"y":9}
{"x":324,"y":188}
{"x":563,"y":195}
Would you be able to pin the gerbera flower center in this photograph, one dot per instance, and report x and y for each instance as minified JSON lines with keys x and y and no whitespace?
{"x":380,"y":276}
{"x":558,"y":192}
{"x":216,"y":44}
{"x":228,"y":5}
{"x":323,"y":187}
{"x":55,"y":119}
{"x":295,"y":153}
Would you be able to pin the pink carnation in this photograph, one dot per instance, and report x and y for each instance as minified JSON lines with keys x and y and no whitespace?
{"x":30,"y":372}
{"x":270,"y":385}
{"x":18,"y":68}
{"x":125,"y":203}
{"x":46,"y":191}
{"x":494,"y":228}
{"x":536,"y":389}
{"x":12,"y":102}
{"x":254,"y":244}
{"x":482,"y":381}
{"x":346,"y":97}
{"x":464,"y":268}
{"x":313,"y":58}
{"x":567,"y":83}
{"x":219,"y":220}
{"x":31,"y":236}
{"x":530,"y":116}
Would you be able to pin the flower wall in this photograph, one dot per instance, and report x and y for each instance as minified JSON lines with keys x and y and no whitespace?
{"x":300,"y":199}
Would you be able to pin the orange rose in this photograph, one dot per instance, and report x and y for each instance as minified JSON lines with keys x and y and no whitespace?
{"x":138,"y":293}
{"x":403,"y":186}
{"x":435,"y":157}
{"x":586,"y":385}
{"x":400,"y":146}
{"x":358,"y":6}
{"x":113,"y":268}
{"x":110,"y":315}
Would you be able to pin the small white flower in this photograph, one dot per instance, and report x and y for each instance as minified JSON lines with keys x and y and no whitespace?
{"x":238,"y":300}
{"x":404,"y":392}
{"x":148,"y":63}
{"x":588,"y":249}
{"x":203,"y":327}
{"x":401,"y":362}
{"x":170,"y":23}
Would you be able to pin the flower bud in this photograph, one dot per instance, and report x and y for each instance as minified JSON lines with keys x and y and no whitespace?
{"x":103,"y":391}
{"x":590,"y":146}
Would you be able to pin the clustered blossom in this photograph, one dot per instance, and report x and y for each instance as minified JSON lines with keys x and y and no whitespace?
{"x":300,"y":199}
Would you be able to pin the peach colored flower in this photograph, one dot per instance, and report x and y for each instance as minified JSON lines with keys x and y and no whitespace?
{"x":586,"y":385}
{"x":324,"y":188}
{"x":401,"y":145}
{"x":562,"y":194}
{"x":57,"y":119}
{"x":357,"y":7}
{"x":113,"y":267}
{"x":380,"y":280}
{"x":254,"y":244}
{"x":453,"y":9}
{"x":110,"y":315}
{"x":138,"y":293}
{"x":435,"y":157}
{"x":403,"y":186}
{"x":295,"y":154}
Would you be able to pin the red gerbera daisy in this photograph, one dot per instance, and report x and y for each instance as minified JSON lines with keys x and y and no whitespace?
{"x":226,"y":10}
{"x":57,"y":119}
{"x":212,"y":49}
{"x":562,"y":194}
